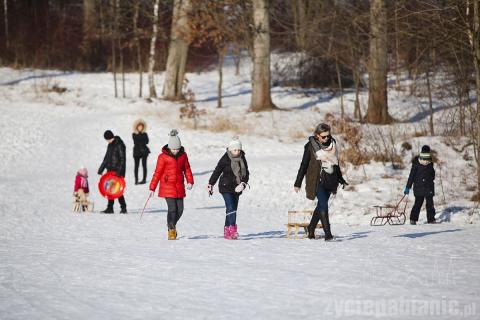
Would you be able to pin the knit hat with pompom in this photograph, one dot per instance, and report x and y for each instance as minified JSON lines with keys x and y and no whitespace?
{"x":174,"y":141}
{"x":235,"y":144}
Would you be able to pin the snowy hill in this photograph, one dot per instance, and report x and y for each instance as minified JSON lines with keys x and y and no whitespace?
{"x":57,"y":264}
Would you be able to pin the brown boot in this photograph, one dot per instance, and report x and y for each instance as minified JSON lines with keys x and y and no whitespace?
{"x":172,"y":234}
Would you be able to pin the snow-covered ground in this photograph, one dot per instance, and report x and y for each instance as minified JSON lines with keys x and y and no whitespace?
{"x":55,"y":264}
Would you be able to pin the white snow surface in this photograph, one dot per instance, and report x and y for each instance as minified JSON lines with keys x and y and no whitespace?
{"x":55,"y":264}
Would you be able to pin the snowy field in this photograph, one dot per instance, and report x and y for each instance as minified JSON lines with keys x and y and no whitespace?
{"x":55,"y":264}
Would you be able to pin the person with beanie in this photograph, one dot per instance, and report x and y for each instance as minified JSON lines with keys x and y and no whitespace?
{"x":232,"y":169}
{"x":422,"y":176}
{"x":140,"y":148}
{"x":321,"y":168}
{"x":114,"y":160}
{"x":170,"y":172}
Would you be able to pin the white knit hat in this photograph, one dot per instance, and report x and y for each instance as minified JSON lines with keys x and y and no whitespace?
{"x":174,"y":141}
{"x":235,"y":144}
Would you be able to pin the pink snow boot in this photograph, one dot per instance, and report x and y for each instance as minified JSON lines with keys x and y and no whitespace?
{"x":226,"y":233}
{"x":233,"y":232}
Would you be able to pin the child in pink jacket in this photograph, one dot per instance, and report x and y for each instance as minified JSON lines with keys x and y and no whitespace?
{"x":80,"y":189}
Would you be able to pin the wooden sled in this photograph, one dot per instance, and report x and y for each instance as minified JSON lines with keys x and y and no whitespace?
{"x":79,"y":207}
{"x":299,"y":219}
{"x":391,"y":214}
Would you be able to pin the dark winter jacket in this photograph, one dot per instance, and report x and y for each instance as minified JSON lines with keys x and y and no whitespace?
{"x":140,"y":141}
{"x":114,"y":159}
{"x":311,"y":168}
{"x":422,"y":178}
{"x":223,"y":170}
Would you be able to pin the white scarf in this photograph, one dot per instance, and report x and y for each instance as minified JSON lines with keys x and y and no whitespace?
{"x":328,"y":156}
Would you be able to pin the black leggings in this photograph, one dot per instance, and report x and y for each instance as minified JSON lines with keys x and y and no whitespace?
{"x":144,"y":164}
{"x":175,"y":211}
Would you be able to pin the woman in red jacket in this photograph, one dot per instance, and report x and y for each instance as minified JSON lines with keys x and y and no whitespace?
{"x":172,"y":167}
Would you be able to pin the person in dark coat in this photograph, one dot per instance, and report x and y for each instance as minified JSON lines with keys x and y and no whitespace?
{"x":232,"y":169}
{"x":114,"y":160}
{"x":422,"y":176}
{"x":140,"y":149}
{"x":321,"y":168}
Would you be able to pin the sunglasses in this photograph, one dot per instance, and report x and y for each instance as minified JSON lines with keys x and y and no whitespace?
{"x":324,"y":136}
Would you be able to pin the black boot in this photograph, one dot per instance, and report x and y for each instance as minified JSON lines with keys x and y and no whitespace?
{"x":313,"y":224}
{"x":108,"y":210}
{"x":123,"y":210}
{"x":326,"y":225}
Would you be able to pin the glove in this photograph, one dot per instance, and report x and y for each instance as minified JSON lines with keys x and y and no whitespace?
{"x":99,"y":172}
{"x":189,"y":186}
{"x":406,"y":190}
{"x":240,"y":187}
{"x":342,"y":182}
{"x":210,"y":189}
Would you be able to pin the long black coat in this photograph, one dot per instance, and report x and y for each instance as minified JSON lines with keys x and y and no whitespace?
{"x":422,"y":178}
{"x":228,"y":181}
{"x":311,"y":168}
{"x":114,"y":159}
{"x":140,"y":141}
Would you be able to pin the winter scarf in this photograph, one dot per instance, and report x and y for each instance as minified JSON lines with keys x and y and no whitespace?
{"x":328,"y":153}
{"x":238,"y":167}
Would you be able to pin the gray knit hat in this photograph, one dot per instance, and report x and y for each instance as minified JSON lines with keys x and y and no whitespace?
{"x":235,"y":144}
{"x":174,"y":141}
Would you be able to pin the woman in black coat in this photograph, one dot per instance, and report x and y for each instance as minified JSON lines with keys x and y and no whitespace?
{"x":422,"y":176}
{"x":140,"y":149}
{"x":232,"y":169}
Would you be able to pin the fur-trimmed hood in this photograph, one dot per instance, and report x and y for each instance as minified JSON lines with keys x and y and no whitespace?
{"x":136,"y":123}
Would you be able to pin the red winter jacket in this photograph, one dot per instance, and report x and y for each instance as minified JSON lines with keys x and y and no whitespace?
{"x":169,"y":172}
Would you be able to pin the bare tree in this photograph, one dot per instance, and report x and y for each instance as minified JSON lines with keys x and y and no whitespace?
{"x":137,"y":46}
{"x":475,"y":45}
{"x":177,"y":51}
{"x":89,"y":27}
{"x":5,"y":14}
{"x":113,"y":34}
{"x":377,"y":111}
{"x":151,"y":58}
{"x":261,"y":98}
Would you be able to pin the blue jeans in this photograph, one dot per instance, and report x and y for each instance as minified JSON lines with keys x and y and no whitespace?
{"x":231,"y":204}
{"x":322,"y":196}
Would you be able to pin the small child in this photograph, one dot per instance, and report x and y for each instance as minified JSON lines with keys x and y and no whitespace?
{"x":422,"y":176}
{"x":171,"y":171}
{"x":80,"y":189}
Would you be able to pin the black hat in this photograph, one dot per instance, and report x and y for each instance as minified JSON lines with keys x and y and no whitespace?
{"x":108,"y":135}
{"x":425,"y":153}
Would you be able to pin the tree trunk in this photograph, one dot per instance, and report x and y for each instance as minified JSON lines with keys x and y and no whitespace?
{"x":5,"y":13}
{"x":377,"y":112}
{"x":137,"y":45}
{"x":177,"y":51}
{"x":340,"y":87}
{"x":397,"y":50}
{"x":430,"y":103}
{"x":151,"y":58}
{"x":113,"y":35}
{"x":122,"y":70}
{"x":89,"y":24}
{"x":299,"y":16}
{"x":356,"y":79}
{"x":475,"y":42}
{"x":221,"y":57}
{"x":261,"y":99}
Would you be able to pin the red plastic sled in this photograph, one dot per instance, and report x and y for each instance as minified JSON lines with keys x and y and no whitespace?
{"x":111,"y":186}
